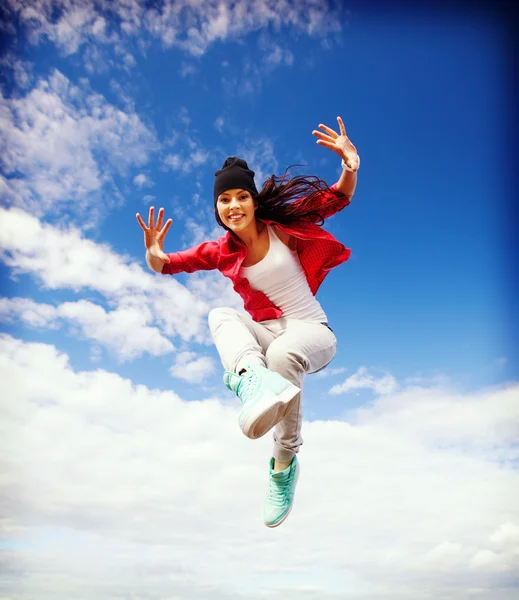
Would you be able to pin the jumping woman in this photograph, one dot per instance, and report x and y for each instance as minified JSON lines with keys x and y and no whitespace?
{"x":276,"y":254}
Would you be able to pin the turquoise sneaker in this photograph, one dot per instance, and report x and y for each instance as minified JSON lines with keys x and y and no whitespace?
{"x":265,"y":396}
{"x":280,"y":495}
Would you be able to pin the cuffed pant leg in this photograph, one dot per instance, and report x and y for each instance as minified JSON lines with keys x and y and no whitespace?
{"x":303,"y":348}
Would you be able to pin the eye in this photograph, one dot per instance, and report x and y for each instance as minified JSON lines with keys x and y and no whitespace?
{"x":244,"y":196}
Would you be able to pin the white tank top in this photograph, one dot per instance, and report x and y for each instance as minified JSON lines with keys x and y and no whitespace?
{"x":280,"y":276}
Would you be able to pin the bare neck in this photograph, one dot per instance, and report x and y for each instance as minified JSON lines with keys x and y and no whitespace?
{"x":251,"y":236}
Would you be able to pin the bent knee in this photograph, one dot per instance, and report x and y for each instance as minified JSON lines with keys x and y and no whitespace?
{"x":281,"y":360}
{"x":217,"y":315}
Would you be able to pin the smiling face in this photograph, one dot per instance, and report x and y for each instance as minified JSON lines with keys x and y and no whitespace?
{"x":236,"y":209}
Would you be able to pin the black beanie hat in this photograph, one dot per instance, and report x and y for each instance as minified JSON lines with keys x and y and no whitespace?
{"x":235,"y":173}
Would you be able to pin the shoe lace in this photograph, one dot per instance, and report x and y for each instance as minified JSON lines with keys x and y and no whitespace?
{"x":278,"y":490}
{"x":247,"y":386}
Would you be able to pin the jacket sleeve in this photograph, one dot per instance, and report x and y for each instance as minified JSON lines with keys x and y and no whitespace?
{"x":328,"y":203}
{"x":199,"y":258}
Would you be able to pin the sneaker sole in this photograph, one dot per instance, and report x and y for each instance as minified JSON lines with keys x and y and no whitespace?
{"x":263,"y":416}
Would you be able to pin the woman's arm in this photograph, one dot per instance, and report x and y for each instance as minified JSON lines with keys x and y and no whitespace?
{"x":341,"y":145}
{"x":347,"y":183}
{"x":154,"y":235}
{"x":154,"y":263}
{"x":200,"y":258}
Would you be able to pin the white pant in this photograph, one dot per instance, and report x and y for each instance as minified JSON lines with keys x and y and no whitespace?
{"x":290,"y":347}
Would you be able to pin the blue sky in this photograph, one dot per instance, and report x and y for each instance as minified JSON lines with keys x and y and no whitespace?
{"x":106,"y":112}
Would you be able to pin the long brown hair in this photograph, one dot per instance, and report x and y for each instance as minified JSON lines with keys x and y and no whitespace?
{"x":285,"y":199}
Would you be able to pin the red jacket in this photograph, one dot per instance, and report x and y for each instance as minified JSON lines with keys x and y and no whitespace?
{"x":318,"y":252}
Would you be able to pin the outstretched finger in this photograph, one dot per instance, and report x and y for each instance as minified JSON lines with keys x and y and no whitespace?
{"x":160,"y":218}
{"x":341,"y":126}
{"x":151,"y":217}
{"x":165,"y":229}
{"x":329,"y":145}
{"x":329,"y":131}
{"x":141,"y":222}
{"x":322,"y":136}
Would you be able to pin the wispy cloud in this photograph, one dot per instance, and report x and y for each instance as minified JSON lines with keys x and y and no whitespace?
{"x":187,"y":69}
{"x":20,"y":70}
{"x":189,"y":26}
{"x":362,"y":379}
{"x":261,"y":158}
{"x":31,"y":313}
{"x":125,"y":331}
{"x":274,"y":55}
{"x":189,"y":153}
{"x":142,"y":180}
{"x":191,"y":367}
{"x":62,"y":147}
{"x":62,"y":258}
{"x":186,"y":162}
{"x":183,"y":116}
{"x":278,"y":55}
{"x":330,"y":372}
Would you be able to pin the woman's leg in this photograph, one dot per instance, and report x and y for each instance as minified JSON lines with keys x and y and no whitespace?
{"x":302,"y":348}
{"x":238,"y":339}
{"x":242,"y":344}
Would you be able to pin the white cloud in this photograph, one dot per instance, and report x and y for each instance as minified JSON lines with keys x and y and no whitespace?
{"x":141,"y":180}
{"x":506,"y":536}
{"x":61,"y":258}
{"x":443,"y":555}
{"x":187,"y":69}
{"x":125,"y":332}
{"x":195,"y":233}
{"x":502,"y":552}
{"x":260,"y":157}
{"x":191,"y":367}
{"x":330,"y":372}
{"x":174,"y":161}
{"x":183,"y":116}
{"x":32,"y":314}
{"x":217,"y":291}
{"x":275,"y":55}
{"x":117,"y":489}
{"x":437,"y":379}
{"x":481,"y":425}
{"x":187,"y":162}
{"x":361,"y":379}
{"x":99,"y":27}
{"x":219,"y":123}
{"x":20,"y":70}
{"x":193,"y":27}
{"x":98,"y":59}
{"x":64,"y":144}
{"x":247,"y":82}
{"x":123,"y":95}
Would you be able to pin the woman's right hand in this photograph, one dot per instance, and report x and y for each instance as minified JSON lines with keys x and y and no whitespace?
{"x":154,"y":235}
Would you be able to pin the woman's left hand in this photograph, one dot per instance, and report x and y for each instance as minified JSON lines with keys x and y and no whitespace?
{"x":339,"y":143}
